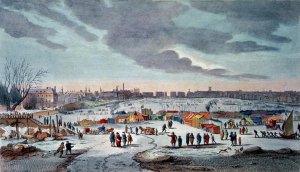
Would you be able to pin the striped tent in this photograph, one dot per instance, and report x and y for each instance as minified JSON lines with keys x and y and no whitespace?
{"x":188,"y":119}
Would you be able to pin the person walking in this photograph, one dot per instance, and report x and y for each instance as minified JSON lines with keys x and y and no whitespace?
{"x":129,"y":137}
{"x":231,"y":136}
{"x":126,"y":129}
{"x":118,"y":139}
{"x":112,"y":139}
{"x":198,"y":137}
{"x":164,"y":128}
{"x":240,"y":140}
{"x":226,"y":134}
{"x":179,"y":141}
{"x":136,"y":130}
{"x":207,"y":138}
{"x":213,"y":139}
{"x":156,"y":131}
{"x":222,"y":134}
{"x":235,"y":138}
{"x":187,"y":139}
{"x":243,"y":130}
{"x":256,"y":135}
{"x":173,"y":139}
{"x":60,"y":149}
{"x":124,"y":138}
{"x":131,"y":132}
{"x":192,"y":138}
{"x":69,"y":147}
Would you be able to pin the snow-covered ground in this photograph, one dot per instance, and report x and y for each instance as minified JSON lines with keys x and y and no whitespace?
{"x":102,"y":157}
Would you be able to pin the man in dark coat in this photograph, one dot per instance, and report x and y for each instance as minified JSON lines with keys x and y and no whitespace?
{"x":124,"y":138}
{"x":231,"y":136}
{"x":198,"y":139}
{"x":187,"y":138}
{"x":136,"y":130}
{"x":255,"y":132}
{"x":69,"y":147}
{"x":164,"y":127}
{"x":112,"y":138}
{"x":179,"y":141}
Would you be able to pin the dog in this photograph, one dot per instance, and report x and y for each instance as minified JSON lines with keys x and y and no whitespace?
{"x":224,"y":150}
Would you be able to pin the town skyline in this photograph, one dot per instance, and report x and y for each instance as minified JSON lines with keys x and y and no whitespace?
{"x":155,"y":88}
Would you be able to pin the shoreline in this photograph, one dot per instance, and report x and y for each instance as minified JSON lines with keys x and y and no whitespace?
{"x":252,"y":159}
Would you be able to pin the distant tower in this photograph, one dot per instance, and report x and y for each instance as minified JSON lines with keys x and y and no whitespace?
{"x":209,"y":88}
{"x":123,"y":86}
{"x":62,"y":90}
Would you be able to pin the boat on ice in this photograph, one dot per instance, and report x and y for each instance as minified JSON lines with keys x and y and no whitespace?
{"x":288,"y":128}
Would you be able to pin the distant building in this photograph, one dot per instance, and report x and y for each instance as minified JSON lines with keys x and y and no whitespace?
{"x":109,"y":95}
{"x":68,"y":97}
{"x":159,"y":94}
{"x":173,"y":94}
{"x":41,"y":98}
{"x":148,"y":94}
{"x":180,"y":94}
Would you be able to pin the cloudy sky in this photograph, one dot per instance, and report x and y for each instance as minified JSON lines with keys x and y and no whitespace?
{"x":156,"y":45}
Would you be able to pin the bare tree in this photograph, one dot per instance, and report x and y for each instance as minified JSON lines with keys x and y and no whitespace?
{"x":20,"y":77}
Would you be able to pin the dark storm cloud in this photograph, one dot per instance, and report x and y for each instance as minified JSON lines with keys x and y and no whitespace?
{"x":257,"y":18}
{"x":17,"y":26}
{"x":140,"y":29}
{"x":41,"y":6}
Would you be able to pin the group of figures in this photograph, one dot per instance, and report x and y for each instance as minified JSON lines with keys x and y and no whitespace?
{"x":190,"y":138}
{"x":116,"y":139}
